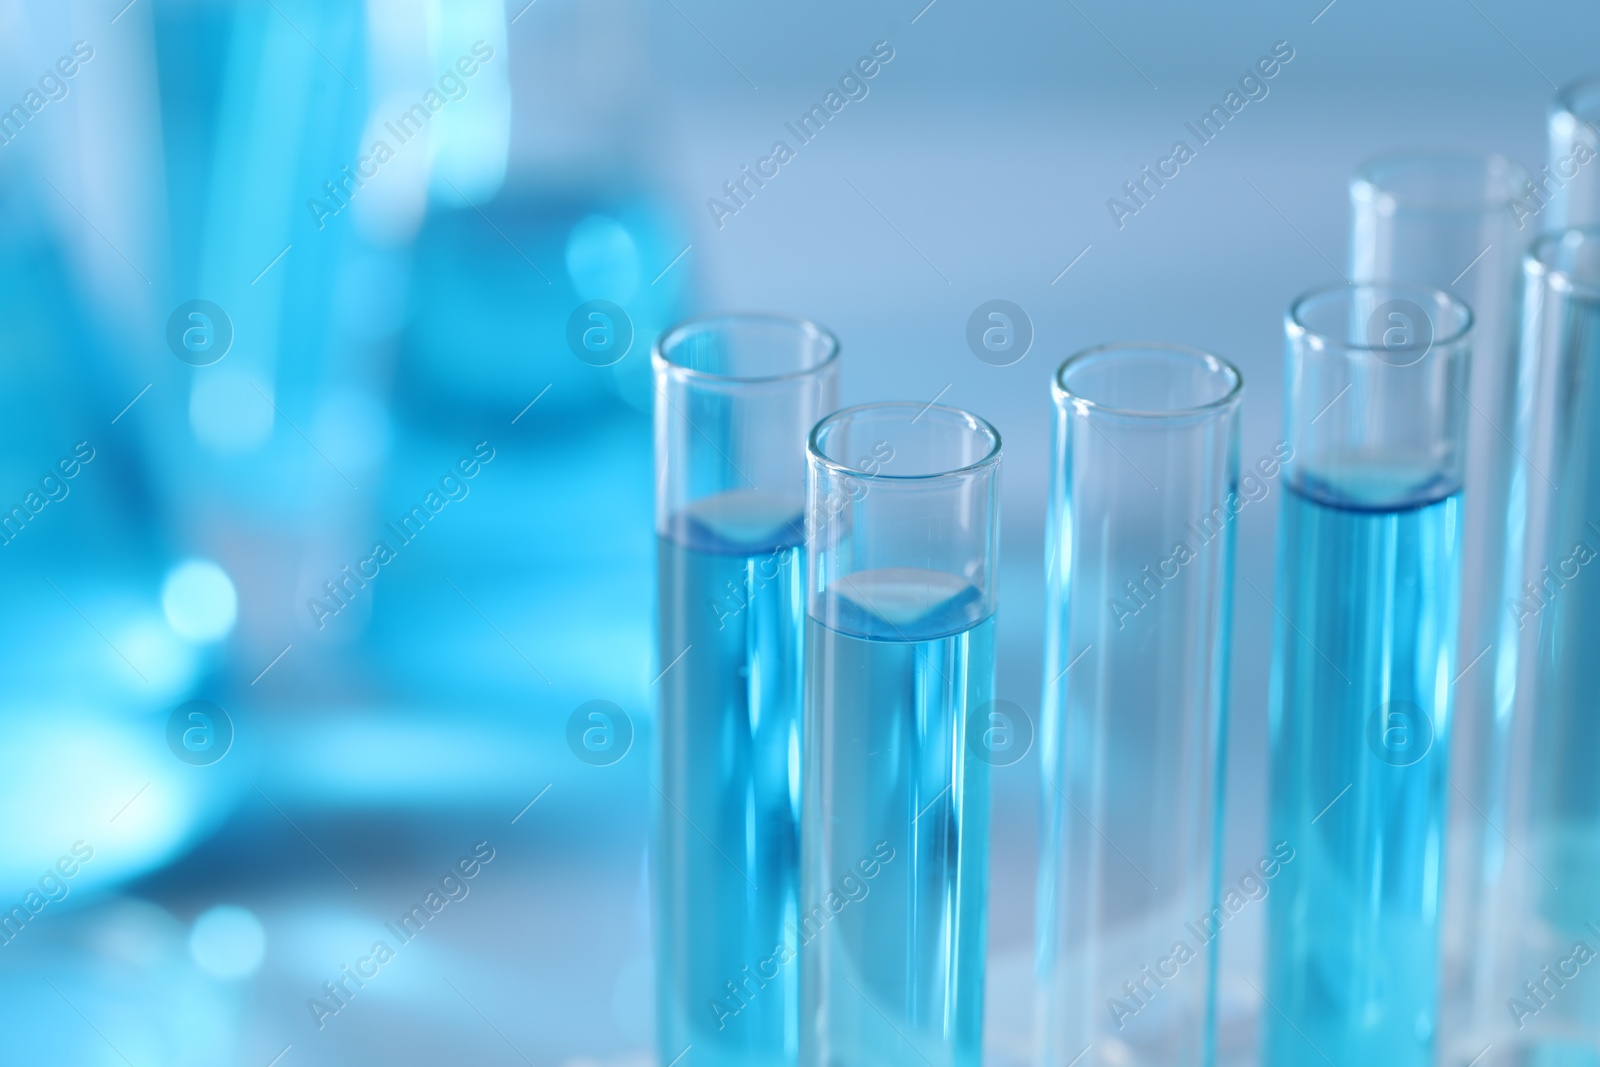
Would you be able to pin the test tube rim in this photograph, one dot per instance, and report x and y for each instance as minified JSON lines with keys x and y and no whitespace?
{"x":664,"y":365}
{"x":815,"y":454}
{"x":1538,"y":267}
{"x":1365,"y":178}
{"x":1565,"y":101}
{"x":1085,"y":406}
{"x":1319,"y":341}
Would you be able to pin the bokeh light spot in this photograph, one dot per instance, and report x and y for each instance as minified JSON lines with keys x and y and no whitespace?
{"x":227,"y":413}
{"x":228,"y":942}
{"x":199,"y":600}
{"x":602,"y":259}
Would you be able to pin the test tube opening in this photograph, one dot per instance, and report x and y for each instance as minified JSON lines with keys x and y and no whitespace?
{"x":747,"y":348}
{"x":928,"y":440}
{"x":1578,"y":103}
{"x":1378,"y":401}
{"x":736,"y":396}
{"x":1147,"y":381}
{"x":1355,"y":319}
{"x":1569,"y":258}
{"x":1568,"y":182}
{"x":1438,"y":182}
{"x":904,"y":518}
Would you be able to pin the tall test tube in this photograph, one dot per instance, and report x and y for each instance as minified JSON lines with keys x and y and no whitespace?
{"x":735,"y":398}
{"x":903,"y":528}
{"x":1567,"y":191}
{"x":1144,"y":493}
{"x":1363,"y":670}
{"x":1544,"y":1002}
{"x":1458,"y":221}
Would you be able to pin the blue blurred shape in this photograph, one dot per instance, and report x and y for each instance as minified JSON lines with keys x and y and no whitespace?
{"x":228,"y":942}
{"x":199,"y":600}
{"x":602,"y":259}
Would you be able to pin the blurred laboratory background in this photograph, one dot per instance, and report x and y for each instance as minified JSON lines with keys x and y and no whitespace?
{"x":323,"y":525}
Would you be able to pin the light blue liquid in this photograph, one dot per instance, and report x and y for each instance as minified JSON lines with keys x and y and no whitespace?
{"x":727,"y":819}
{"x":1360,"y":739}
{"x":896,"y":837}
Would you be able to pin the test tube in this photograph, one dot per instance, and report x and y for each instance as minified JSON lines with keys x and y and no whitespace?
{"x":734,"y":399}
{"x":1460,"y":221}
{"x":1566,"y":191}
{"x":1144,"y":496}
{"x":903,"y":526}
{"x":1542,"y":993}
{"x":1369,"y":572}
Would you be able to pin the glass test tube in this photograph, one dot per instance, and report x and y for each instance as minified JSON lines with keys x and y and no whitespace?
{"x":1457,"y":221}
{"x":734,"y":399}
{"x":1542,"y":992}
{"x":903,"y":526}
{"x":1364,"y":663}
{"x":1567,"y":190}
{"x":1139,"y":568}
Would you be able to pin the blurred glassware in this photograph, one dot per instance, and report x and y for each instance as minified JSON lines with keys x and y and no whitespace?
{"x":372,"y":327}
{"x":1546,"y":905}
{"x":1454,"y":220}
{"x":1567,"y":190}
